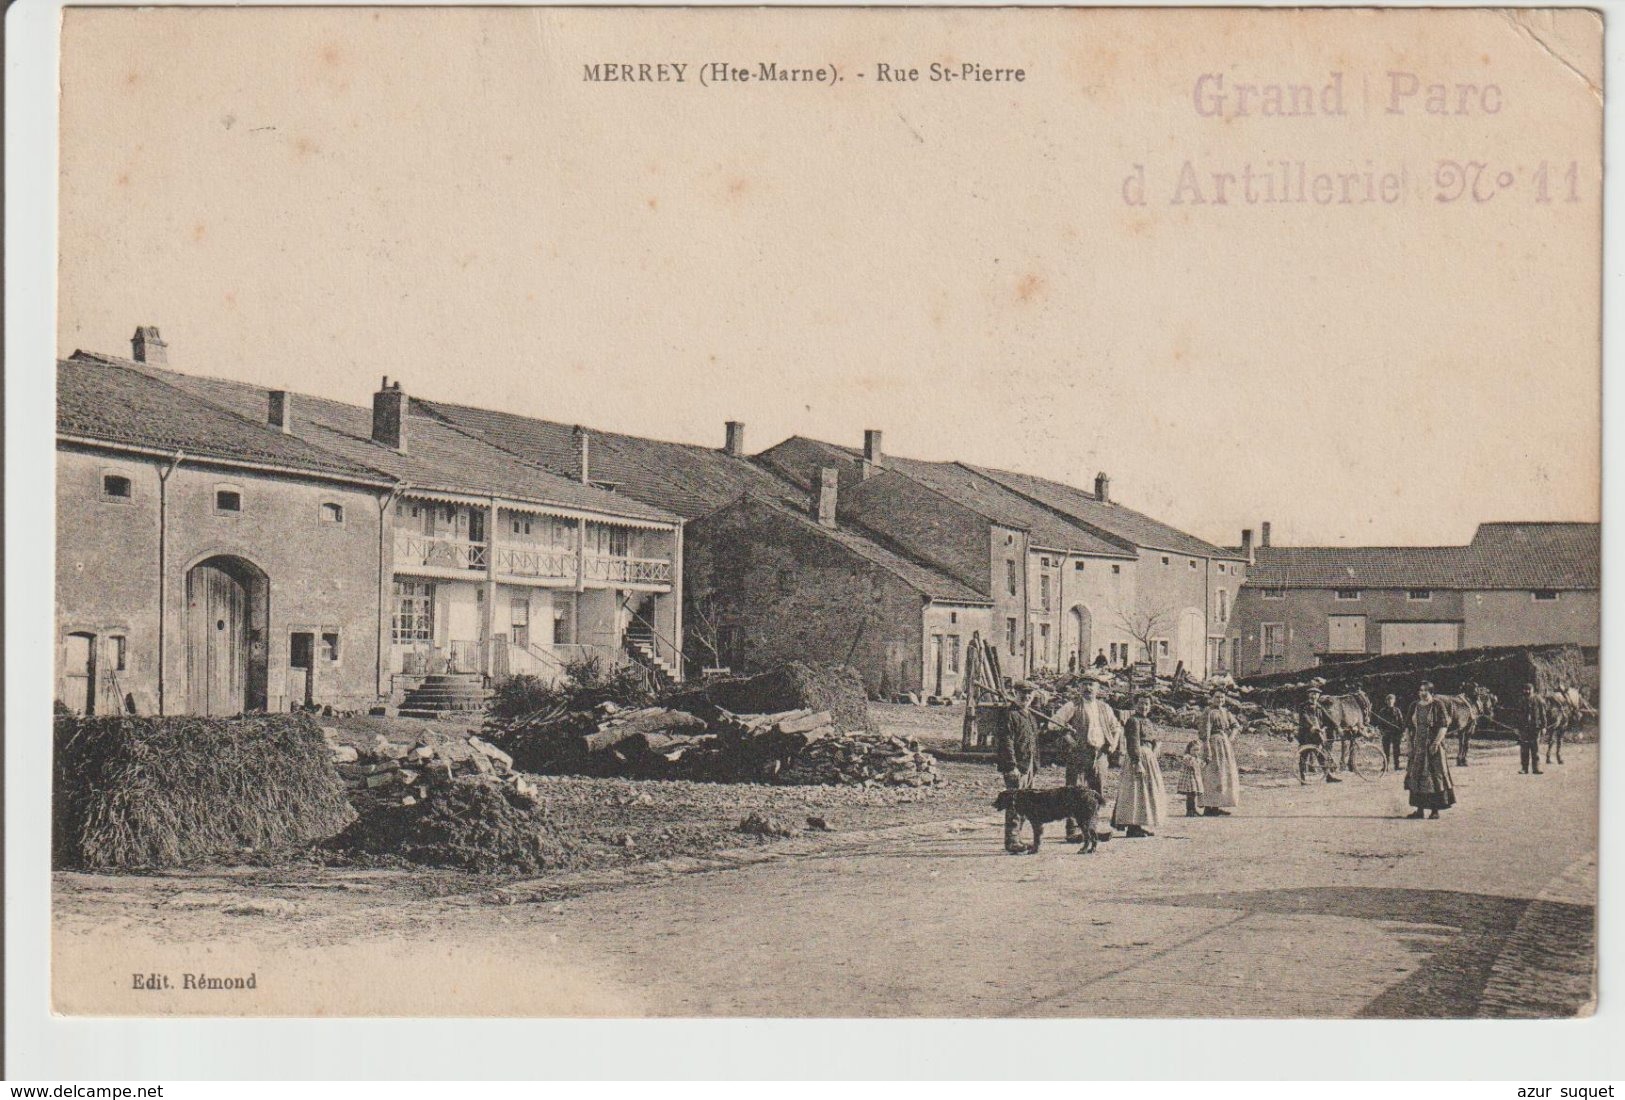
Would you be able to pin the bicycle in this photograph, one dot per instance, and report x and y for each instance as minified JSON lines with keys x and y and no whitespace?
{"x":1359,"y":754}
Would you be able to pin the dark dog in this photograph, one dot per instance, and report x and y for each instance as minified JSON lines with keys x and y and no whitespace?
{"x":1080,"y":805}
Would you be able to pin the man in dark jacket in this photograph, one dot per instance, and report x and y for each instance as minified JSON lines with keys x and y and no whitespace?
{"x":1390,"y":721}
{"x":1530,"y":719}
{"x":1017,"y":749}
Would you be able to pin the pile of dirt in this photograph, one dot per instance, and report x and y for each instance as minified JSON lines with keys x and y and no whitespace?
{"x":473,"y":824}
{"x":148,"y":792}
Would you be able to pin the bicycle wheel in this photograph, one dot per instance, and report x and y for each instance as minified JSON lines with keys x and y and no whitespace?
{"x":1311,"y":763}
{"x":1367,"y":760}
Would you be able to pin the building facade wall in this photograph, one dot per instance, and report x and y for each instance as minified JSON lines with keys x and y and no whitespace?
{"x":951,"y":626}
{"x":321,"y":569}
{"x":1515,"y":617}
{"x":1304,"y":613}
{"x":1224,"y":579}
{"x":774,"y":590}
{"x":1171,"y":590}
{"x":1086,"y":593}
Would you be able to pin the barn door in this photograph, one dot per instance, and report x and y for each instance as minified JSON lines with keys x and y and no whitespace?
{"x":217,"y":641}
{"x":79,"y":673}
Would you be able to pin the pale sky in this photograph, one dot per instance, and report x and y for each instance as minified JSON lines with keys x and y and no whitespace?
{"x":316,"y":198}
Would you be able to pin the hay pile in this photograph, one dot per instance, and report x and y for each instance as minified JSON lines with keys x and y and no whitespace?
{"x":475,"y":824}
{"x":134,"y":792}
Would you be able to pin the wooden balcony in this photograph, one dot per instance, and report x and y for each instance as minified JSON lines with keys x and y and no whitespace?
{"x":611,"y":569}
{"x":444,"y":556}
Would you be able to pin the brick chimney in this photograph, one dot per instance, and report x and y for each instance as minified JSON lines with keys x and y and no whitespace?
{"x":874,"y":459}
{"x":389,"y":416}
{"x":829,"y":483}
{"x":1103,"y":487}
{"x":1264,"y":535}
{"x":1247,"y":544}
{"x":146,"y":346}
{"x":279,"y":410}
{"x":735,"y":445}
{"x":584,"y":447}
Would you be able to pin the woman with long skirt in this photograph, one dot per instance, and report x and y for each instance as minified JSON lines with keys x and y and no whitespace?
{"x":1140,"y":793}
{"x":1221,"y":779}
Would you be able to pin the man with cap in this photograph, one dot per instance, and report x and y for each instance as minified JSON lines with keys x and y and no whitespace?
{"x":1390,"y":720}
{"x":1427,"y":776}
{"x":1530,"y":718}
{"x":1312,"y":723}
{"x":1017,"y":749}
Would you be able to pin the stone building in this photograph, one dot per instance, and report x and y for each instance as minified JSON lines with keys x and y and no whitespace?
{"x":1072,"y":574}
{"x":223,"y":547}
{"x":1514,"y":584}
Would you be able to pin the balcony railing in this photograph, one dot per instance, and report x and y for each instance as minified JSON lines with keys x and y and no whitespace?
{"x":618,"y":570}
{"x":517,"y":560}
{"x":438,"y":552}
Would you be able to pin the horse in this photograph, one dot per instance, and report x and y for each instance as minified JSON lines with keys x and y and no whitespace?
{"x":1565,"y":707}
{"x":1349,"y":716}
{"x":1463,"y":720}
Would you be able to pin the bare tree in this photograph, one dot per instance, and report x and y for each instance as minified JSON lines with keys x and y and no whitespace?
{"x":1146,"y":625}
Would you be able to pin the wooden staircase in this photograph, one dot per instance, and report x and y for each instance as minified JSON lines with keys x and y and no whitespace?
{"x":640,"y":644}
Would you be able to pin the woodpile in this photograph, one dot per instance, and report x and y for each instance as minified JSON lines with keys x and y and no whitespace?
{"x":388,"y":773}
{"x":800,"y":746}
{"x":862,"y":758}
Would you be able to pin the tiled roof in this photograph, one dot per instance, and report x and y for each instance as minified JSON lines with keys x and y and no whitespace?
{"x":688,"y":479}
{"x":798,"y":458}
{"x":438,"y":456}
{"x":1108,"y":517}
{"x":106,"y":401}
{"x":1501,"y":556}
{"x":921,"y":577}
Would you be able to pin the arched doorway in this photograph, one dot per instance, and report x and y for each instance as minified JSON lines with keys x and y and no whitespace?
{"x":1080,"y":637}
{"x":1193,"y":641}
{"x":227,"y":615}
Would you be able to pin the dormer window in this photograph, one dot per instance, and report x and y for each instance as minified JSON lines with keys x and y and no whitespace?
{"x":228,"y":500}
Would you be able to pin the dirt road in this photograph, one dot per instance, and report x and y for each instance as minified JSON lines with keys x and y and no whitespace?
{"x":1313,"y":901}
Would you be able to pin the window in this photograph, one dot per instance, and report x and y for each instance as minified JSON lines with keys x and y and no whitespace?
{"x":1274,"y":593}
{"x":1221,"y":567}
{"x":1010,"y":635}
{"x":1043,"y":592}
{"x":414,"y":612}
{"x":1419,"y":595}
{"x":332,"y":513}
{"x":1191,"y":562}
{"x":953,"y":653}
{"x":117,"y":644}
{"x":1044,"y":562}
{"x":1010,"y":575}
{"x":1165,"y":559}
{"x":1347,"y":594}
{"x":330,"y":645}
{"x":116,"y":487}
{"x":1222,"y":612}
{"x":521,"y":525}
{"x":1078,"y":566}
{"x":1162,"y":647}
{"x":228,"y":500}
{"x":953,"y":616}
{"x":1272,"y":639}
{"x":1009,"y":539}
{"x":1115,"y":569}
{"x":1043,"y":642}
{"x":1544,"y":595}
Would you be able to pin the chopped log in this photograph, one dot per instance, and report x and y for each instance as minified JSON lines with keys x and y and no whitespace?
{"x":805,"y":722}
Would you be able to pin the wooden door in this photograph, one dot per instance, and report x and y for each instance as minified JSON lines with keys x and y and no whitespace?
{"x":79,"y":673}
{"x":216,"y":642}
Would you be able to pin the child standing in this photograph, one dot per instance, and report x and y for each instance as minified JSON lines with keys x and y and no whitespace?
{"x":1189,"y":782}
